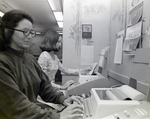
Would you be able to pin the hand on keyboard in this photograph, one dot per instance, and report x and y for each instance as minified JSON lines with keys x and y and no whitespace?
{"x":67,"y":84}
{"x":73,"y":111}
{"x":72,"y":99}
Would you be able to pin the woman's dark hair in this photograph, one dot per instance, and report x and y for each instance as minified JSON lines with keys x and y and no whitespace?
{"x":8,"y":21}
{"x":49,"y":41}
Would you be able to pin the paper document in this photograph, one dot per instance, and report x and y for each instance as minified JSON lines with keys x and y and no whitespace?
{"x":87,"y":55}
{"x":133,"y":35}
{"x":103,"y":56}
{"x":118,"y":51}
{"x":93,"y":68}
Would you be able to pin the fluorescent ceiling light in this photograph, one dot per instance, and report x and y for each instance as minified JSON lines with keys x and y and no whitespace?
{"x":1,"y":14}
{"x":58,"y":16}
{"x":56,"y":8}
{"x":55,"y":5}
{"x":60,"y":24}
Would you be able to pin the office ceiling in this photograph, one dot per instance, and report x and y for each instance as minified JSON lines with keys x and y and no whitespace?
{"x":39,"y":9}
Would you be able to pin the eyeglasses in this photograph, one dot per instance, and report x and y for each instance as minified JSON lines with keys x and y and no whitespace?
{"x":26,"y":32}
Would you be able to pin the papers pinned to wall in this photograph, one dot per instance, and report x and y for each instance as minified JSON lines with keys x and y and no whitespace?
{"x":133,"y":32}
{"x":118,"y":50}
{"x":87,"y":55}
{"x":103,"y":56}
{"x":135,"y":13}
{"x":133,"y":35}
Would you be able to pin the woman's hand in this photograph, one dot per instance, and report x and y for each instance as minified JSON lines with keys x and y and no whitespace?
{"x":85,"y":71}
{"x":66,"y":85}
{"x":72,"y":99}
{"x":73,"y":111}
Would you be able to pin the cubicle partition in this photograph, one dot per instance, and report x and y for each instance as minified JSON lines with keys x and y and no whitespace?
{"x":140,"y":71}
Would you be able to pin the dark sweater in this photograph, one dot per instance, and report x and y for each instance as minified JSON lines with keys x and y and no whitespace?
{"x":21,"y":81}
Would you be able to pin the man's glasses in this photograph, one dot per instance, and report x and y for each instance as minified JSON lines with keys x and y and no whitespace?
{"x":26,"y":32}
